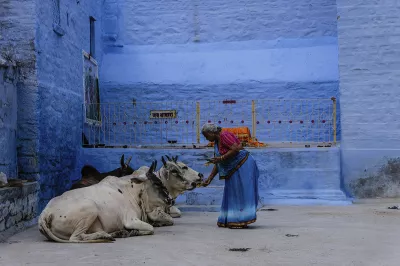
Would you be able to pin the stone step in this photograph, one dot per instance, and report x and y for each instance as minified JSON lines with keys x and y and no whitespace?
{"x":213,"y":196}
{"x":270,"y":202}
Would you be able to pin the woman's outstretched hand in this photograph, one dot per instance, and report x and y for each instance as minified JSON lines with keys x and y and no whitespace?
{"x":206,"y":182}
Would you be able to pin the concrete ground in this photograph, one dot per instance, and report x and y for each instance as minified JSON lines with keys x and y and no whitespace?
{"x":361,"y":234}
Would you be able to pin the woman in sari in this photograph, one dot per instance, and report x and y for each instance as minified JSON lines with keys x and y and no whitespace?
{"x":239,"y":170}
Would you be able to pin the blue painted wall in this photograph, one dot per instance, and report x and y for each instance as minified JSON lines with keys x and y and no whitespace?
{"x":8,"y":120}
{"x":18,"y":136}
{"x":207,"y":50}
{"x":368,"y":38}
{"x":60,"y":89}
{"x":292,"y":176}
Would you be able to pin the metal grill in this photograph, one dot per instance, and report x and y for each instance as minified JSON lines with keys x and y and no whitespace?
{"x":281,"y":122}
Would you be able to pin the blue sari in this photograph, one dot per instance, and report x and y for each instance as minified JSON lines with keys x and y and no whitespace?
{"x":240,"y":200}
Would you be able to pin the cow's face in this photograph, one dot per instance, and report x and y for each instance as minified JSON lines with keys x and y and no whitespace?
{"x":179,"y":175}
{"x":157,"y":193}
{"x":125,"y":168}
{"x":191,"y":175}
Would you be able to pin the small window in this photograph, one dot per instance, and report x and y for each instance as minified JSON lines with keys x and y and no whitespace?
{"x":92,"y":37}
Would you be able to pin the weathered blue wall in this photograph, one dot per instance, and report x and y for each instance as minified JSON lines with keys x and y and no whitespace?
{"x":8,"y":119}
{"x":19,"y":96}
{"x":293,"y":176}
{"x":60,"y":88}
{"x":204,"y":50}
{"x":368,"y":37}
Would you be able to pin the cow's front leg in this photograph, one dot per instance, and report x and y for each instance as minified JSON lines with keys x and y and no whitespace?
{"x":175,"y":212}
{"x":124,"y":233}
{"x":133,"y":223}
{"x":158,"y":217}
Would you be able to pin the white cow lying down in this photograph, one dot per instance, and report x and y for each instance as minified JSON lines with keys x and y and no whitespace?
{"x":177,"y":177}
{"x":114,"y":207}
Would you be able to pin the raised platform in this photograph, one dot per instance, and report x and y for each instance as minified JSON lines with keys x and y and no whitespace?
{"x":18,"y":208}
{"x":289,"y":176}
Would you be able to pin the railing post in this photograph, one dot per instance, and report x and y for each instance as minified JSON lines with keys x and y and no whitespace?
{"x":198,"y":122}
{"x":334,"y":111}
{"x":253,"y":120}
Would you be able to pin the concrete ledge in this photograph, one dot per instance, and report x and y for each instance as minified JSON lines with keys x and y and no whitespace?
{"x":18,"y":208}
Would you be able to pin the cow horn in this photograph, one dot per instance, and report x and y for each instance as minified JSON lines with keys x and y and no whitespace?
{"x":152,"y":167}
{"x":176,"y":159}
{"x":155,"y":165}
{"x":122,"y":160}
{"x":128,"y":161}
{"x":169,"y":159}
{"x":163,"y":161}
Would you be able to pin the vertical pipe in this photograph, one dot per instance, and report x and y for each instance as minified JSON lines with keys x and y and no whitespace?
{"x":253,"y":118}
{"x":334,"y":119}
{"x":198,"y":122}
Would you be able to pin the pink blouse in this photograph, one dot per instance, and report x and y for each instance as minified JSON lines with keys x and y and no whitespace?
{"x":227,"y":139}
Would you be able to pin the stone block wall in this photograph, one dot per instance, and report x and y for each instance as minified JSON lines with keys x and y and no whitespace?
{"x":18,"y":208}
{"x":369,"y":48}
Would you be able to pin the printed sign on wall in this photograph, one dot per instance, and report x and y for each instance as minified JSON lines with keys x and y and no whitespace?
{"x":157,"y":114}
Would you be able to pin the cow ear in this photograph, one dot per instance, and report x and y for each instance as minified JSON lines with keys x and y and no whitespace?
{"x":176,"y":159}
{"x":155,"y":165}
{"x":128,"y":161}
{"x":169,"y":159}
{"x":122,"y":161}
{"x":163,"y":161}
{"x":151,"y":169}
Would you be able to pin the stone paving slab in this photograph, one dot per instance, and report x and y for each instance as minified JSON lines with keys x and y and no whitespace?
{"x":359,"y":235}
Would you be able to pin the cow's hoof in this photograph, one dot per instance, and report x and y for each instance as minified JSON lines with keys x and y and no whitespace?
{"x":175,"y":215}
{"x":156,"y":225}
{"x":174,"y":212}
{"x":108,"y":238}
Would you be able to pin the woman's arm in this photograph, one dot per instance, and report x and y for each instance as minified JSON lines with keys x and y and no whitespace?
{"x":232,"y":152}
{"x":210,"y":178}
